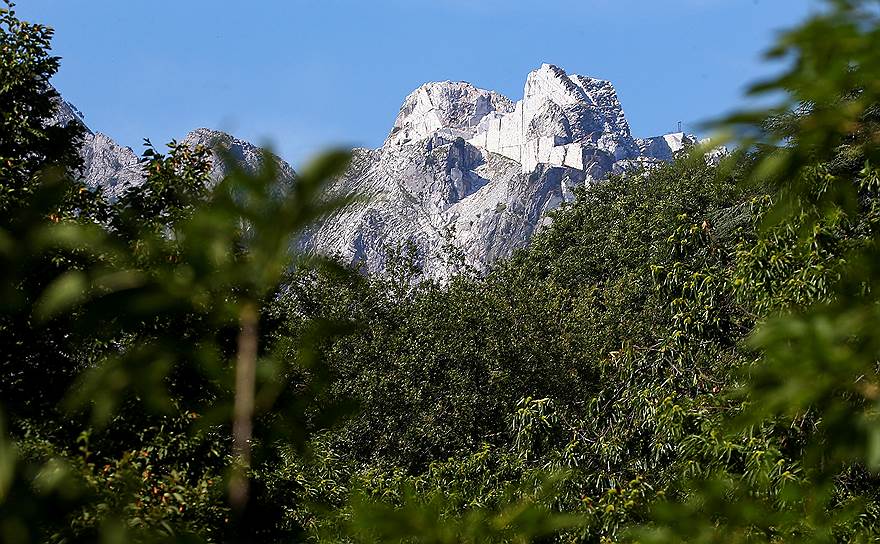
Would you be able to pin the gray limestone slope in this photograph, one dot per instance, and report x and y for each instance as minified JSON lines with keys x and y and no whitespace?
{"x":466,"y":172}
{"x":245,"y":154}
{"x":106,"y":165}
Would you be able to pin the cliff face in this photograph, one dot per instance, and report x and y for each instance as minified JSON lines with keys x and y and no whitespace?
{"x":465,"y":175}
{"x":107,"y":165}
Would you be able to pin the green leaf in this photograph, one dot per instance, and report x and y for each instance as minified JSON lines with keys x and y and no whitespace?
{"x":62,"y":295}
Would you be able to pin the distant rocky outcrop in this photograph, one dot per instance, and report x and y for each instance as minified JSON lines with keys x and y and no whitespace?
{"x":113,"y":168}
{"x":225,"y":147}
{"x":106,"y":165}
{"x":468,"y":173}
{"x":465,"y":175}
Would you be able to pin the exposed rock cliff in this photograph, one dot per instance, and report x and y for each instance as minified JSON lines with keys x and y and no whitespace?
{"x":466,"y":172}
{"x":466,"y":175}
{"x":106,"y":164}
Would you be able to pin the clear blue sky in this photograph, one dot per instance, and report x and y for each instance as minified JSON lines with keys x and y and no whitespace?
{"x":303,"y":75}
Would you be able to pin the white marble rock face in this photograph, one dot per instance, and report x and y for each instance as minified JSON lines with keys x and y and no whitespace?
{"x":465,"y":173}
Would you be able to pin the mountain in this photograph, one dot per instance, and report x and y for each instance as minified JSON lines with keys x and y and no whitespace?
{"x":113,"y":168}
{"x":465,"y":176}
{"x":468,"y":176}
{"x":106,"y":164}
{"x":244,"y":153}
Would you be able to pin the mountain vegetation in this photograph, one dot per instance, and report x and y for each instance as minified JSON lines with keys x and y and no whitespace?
{"x":684,"y":354}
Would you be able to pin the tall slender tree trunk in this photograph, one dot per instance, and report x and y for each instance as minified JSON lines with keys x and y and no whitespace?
{"x":242,"y":422}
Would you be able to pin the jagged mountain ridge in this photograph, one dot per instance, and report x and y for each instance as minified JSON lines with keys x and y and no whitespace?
{"x":113,"y":168}
{"x":106,"y":165}
{"x":465,"y":176}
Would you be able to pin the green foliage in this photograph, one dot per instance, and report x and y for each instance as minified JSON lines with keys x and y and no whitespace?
{"x":28,"y":145}
{"x":687,"y":354}
{"x":34,"y":154}
{"x":476,"y":388}
{"x":174,"y":183}
{"x":171,"y":486}
{"x":185,"y":267}
{"x":815,"y":363}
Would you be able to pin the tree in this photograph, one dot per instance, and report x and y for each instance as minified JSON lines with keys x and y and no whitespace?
{"x":30,"y":140}
{"x":35,"y":151}
{"x":813,"y":371}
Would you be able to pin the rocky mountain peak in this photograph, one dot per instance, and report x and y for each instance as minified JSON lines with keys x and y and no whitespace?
{"x":562,"y":120}
{"x":244,"y":153}
{"x":550,"y":82}
{"x":453,"y":108}
{"x":107,"y":166}
{"x":67,"y":113}
{"x":468,"y":169}
{"x":665,"y":147}
{"x":466,"y":175}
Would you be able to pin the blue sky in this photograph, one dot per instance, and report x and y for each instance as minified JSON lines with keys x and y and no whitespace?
{"x":302,"y":75}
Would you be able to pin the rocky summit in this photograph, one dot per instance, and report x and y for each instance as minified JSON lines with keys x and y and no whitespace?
{"x":106,"y":164}
{"x":465,"y":176}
